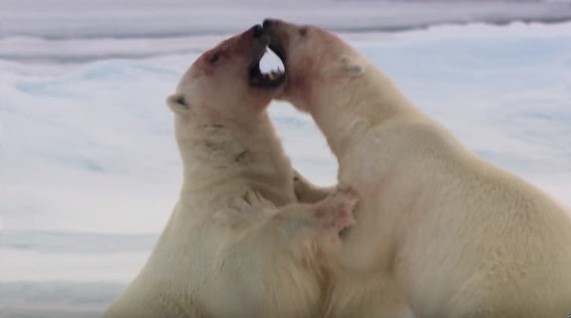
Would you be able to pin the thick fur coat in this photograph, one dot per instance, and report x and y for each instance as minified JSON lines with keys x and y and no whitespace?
{"x":440,"y":232}
{"x":238,"y":243}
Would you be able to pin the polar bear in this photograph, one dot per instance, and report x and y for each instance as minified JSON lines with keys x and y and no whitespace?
{"x":238,"y":244}
{"x":439,"y":229}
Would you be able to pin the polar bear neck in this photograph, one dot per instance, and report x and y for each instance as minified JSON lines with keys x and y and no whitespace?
{"x":233,"y":159}
{"x":345,"y":110}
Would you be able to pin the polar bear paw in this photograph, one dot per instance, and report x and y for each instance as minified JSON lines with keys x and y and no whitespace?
{"x":335,"y":213}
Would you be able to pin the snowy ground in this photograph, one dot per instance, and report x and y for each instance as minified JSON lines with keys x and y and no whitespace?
{"x":90,"y":170}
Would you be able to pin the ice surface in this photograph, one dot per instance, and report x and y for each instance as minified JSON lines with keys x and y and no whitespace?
{"x":84,"y":30}
{"x":148,"y":18}
{"x":85,"y":143}
{"x":57,"y":299}
{"x":90,"y":169}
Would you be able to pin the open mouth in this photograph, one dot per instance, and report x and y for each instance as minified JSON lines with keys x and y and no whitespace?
{"x":276,"y":46}
{"x":267,"y":69}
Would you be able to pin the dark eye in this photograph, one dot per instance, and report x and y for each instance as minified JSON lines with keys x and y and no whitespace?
{"x":302,"y":31}
{"x":181,"y":100}
{"x":213,"y":58}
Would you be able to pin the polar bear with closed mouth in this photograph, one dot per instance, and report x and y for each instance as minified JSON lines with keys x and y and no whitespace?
{"x":238,"y":243}
{"x":439,"y":229}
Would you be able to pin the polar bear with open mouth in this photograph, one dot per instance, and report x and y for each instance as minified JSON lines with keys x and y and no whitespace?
{"x":238,"y":244}
{"x":439,"y":229}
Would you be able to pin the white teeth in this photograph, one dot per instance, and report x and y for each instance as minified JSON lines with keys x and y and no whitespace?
{"x":272,"y":75}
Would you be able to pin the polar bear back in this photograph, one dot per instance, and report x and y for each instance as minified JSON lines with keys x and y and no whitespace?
{"x":468,"y":233}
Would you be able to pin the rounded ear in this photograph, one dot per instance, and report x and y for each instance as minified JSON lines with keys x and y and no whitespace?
{"x":351,"y":67}
{"x":178,"y":103}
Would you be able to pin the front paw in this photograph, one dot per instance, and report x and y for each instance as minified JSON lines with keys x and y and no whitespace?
{"x":335,"y":213}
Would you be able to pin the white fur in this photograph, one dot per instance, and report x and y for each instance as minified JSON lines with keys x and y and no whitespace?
{"x":439,"y":228}
{"x":237,"y":243}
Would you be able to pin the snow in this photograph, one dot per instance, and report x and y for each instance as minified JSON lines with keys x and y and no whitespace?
{"x":88,"y":142}
{"x":59,"y":299}
{"x":148,"y":18}
{"x":89,"y":166}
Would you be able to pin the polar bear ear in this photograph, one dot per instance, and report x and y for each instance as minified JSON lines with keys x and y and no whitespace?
{"x":178,"y":103}
{"x":350,"y":66}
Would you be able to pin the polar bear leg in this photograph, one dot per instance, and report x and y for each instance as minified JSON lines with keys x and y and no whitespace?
{"x":328,"y":216}
{"x":280,"y":250}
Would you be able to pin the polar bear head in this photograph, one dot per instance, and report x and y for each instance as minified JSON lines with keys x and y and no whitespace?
{"x":314,"y":60}
{"x":220,"y":104}
{"x":225,"y":85}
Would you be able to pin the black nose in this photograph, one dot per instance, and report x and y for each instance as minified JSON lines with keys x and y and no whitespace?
{"x":267,"y":23}
{"x":258,"y":30}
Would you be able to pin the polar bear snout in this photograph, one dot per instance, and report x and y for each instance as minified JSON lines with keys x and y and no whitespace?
{"x":258,"y":30}
{"x":278,"y":39}
{"x":257,"y":77}
{"x":267,"y":23}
